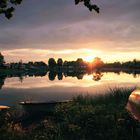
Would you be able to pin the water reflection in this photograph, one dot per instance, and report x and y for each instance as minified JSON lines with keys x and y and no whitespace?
{"x":133,"y":105}
{"x":2,"y":80}
{"x":79,"y":75}
{"x":52,"y":76}
{"x":60,"y":76}
{"x":97,"y":76}
{"x":60,"y":85}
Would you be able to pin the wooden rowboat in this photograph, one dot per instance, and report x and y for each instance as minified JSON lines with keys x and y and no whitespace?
{"x":4,"y":107}
{"x":35,"y":106}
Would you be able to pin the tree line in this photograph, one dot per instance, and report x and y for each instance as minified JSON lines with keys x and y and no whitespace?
{"x":134,"y":64}
{"x":97,"y":63}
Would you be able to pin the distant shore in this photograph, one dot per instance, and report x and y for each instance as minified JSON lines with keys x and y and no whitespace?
{"x":119,"y":69}
{"x":18,"y":72}
{"x":104,"y":69}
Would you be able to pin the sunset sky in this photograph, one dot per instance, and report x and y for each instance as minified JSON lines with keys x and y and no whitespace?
{"x":58,"y":28}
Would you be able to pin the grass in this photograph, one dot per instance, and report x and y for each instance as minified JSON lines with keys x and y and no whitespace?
{"x":85,"y":118}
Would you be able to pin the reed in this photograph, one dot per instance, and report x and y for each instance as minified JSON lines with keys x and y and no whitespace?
{"x":85,"y":118}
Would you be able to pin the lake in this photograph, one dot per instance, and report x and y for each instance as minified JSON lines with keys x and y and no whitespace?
{"x":58,"y":87}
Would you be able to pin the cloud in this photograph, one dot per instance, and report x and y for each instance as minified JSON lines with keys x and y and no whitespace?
{"x":58,"y":25}
{"x":43,"y":55}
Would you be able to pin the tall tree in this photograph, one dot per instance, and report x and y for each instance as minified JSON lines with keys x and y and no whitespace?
{"x":7,"y":7}
{"x":97,"y":63}
{"x":60,"y":62}
{"x":1,"y":59}
{"x":51,"y":63}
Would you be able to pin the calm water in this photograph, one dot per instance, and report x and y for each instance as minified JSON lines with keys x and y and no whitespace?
{"x":16,"y":89}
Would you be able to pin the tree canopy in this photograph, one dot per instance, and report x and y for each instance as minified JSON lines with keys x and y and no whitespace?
{"x":7,"y":7}
{"x":1,"y":59}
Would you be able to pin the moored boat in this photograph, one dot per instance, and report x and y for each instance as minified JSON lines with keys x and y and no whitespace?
{"x":35,"y":106}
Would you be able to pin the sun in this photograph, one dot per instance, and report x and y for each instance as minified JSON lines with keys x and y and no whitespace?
{"x":88,"y":58}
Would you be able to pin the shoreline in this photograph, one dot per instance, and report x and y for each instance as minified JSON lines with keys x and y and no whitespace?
{"x":101,"y":117}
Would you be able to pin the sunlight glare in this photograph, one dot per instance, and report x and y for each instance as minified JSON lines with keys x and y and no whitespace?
{"x":88,"y":58}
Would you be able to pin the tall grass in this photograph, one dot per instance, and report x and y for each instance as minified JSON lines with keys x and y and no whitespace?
{"x":112,"y":96}
{"x":85,"y":118}
{"x":98,"y":117}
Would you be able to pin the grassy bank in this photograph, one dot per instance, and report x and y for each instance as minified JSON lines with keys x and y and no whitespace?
{"x":85,"y":118}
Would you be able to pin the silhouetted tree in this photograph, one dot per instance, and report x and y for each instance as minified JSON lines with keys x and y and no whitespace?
{"x":97,"y":63}
{"x":2,"y":79}
{"x":134,"y":62}
{"x":51,"y":63}
{"x":7,"y":7}
{"x":89,"y":5}
{"x":117,"y":64}
{"x":60,"y":62}
{"x":40,"y":64}
{"x":1,"y":60}
{"x":79,"y":61}
{"x":20,"y":64}
{"x":65,"y":63}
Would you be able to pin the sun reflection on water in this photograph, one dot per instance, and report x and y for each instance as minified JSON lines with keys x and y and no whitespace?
{"x":86,"y":80}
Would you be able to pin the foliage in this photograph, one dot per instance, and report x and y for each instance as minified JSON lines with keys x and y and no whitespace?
{"x":135,"y":64}
{"x":51,"y":63}
{"x":84,"y":118}
{"x":97,"y":117}
{"x":1,"y":60}
{"x":60,"y":62}
{"x":88,"y":4}
{"x":7,"y":7}
{"x":97,"y":63}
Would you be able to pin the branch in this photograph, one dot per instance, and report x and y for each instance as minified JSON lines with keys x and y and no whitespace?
{"x":89,"y":5}
{"x":7,"y":7}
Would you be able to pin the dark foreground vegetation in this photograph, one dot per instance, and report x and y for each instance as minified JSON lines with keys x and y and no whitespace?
{"x":84,"y":118}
